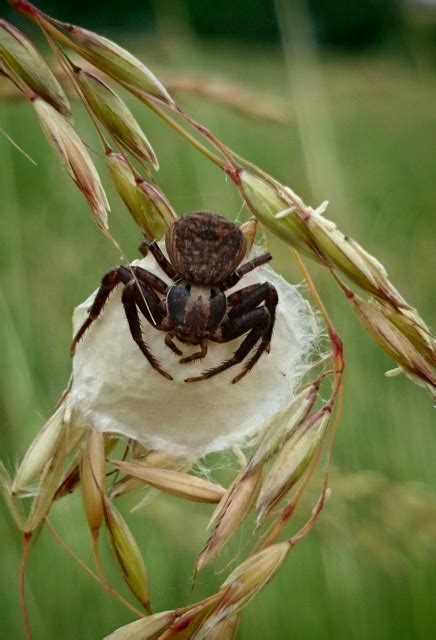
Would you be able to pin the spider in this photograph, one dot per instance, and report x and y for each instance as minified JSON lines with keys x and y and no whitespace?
{"x":205,"y":253}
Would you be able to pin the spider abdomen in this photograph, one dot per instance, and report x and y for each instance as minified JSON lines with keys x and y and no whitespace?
{"x":195,"y":312}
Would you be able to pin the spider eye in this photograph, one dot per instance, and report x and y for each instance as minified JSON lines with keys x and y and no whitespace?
{"x":213,"y":293}
{"x":188,"y":288}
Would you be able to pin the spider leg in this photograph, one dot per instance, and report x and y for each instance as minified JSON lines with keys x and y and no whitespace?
{"x":162,"y":261}
{"x":244,"y":269}
{"x":245,"y":316}
{"x":150,"y":279}
{"x":198,"y":355}
{"x":110,"y":280}
{"x":129,"y":300}
{"x":257,"y":320}
{"x":170,"y":344}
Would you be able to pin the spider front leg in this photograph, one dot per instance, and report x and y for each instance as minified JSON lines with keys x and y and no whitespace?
{"x":110,"y":280}
{"x":147,"y":301}
{"x":246,"y":316}
{"x":155,"y":250}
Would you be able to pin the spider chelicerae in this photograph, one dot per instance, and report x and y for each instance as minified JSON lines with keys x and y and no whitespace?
{"x":205,"y":254}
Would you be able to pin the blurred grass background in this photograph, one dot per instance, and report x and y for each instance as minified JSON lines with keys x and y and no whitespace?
{"x":362,"y":132}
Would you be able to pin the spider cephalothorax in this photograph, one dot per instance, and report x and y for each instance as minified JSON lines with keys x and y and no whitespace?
{"x":205,"y":253}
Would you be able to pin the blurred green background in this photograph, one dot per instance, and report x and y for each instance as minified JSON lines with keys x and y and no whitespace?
{"x":358,"y":82}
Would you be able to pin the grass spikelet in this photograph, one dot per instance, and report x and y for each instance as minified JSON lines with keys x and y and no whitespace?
{"x":244,"y":583}
{"x":146,"y":203}
{"x":356,"y":263}
{"x":182,"y":485}
{"x":20,"y":55}
{"x":395,"y":344}
{"x":40,"y":452}
{"x":187,"y":624}
{"x":48,"y":483}
{"x":281,"y":424}
{"x":106,"y":55}
{"x":14,"y":506}
{"x":157,"y":210}
{"x":291,"y":462}
{"x":75,"y":158}
{"x":224,"y":630}
{"x":412,"y":327}
{"x":265,"y":201}
{"x":92,"y":478}
{"x":230,"y":513}
{"x":145,"y":629}
{"x":127,"y":554}
{"x":116,"y":117}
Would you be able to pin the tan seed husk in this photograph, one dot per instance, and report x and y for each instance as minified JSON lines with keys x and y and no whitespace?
{"x":187,"y":624}
{"x":127,"y":553}
{"x":412,"y":327}
{"x":146,"y":203}
{"x":40,"y":452}
{"x":395,"y":344}
{"x":249,"y":229}
{"x":224,"y":630}
{"x":230,"y":513}
{"x":265,"y":201}
{"x":75,"y":158}
{"x":144,"y":629}
{"x":25,"y":61}
{"x":15,"y":507}
{"x":244,"y":583}
{"x":157,"y":210}
{"x":116,"y":117}
{"x":92,"y":479}
{"x":291,"y":462}
{"x":281,"y":425}
{"x":356,"y":263}
{"x":113,"y":60}
{"x":182,"y":485}
{"x":48,"y":483}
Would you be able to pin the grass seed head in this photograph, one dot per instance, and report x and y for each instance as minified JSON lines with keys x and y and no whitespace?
{"x":281,"y":424}
{"x":74,"y":156}
{"x":290,"y":464}
{"x":230,"y":513}
{"x":116,"y":117}
{"x":48,"y":483}
{"x":395,"y":344}
{"x":40,"y":452}
{"x":156,"y":209}
{"x":146,"y":203}
{"x":15,"y":507}
{"x":243,"y":584}
{"x":127,"y":554}
{"x":187,"y":624}
{"x":412,"y":327}
{"x":145,"y":628}
{"x":25,"y":61}
{"x":265,"y":201}
{"x":356,"y":263}
{"x":92,"y":479}
{"x":116,"y":62}
{"x":224,"y":630}
{"x":182,"y":485}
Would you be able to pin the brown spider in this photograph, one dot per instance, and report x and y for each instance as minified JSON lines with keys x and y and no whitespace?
{"x":205,"y":251}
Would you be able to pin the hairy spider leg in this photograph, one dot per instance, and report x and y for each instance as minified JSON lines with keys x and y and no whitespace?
{"x":271,"y":299}
{"x":246,"y":316}
{"x":198,"y":355}
{"x":243,"y":269}
{"x":133,"y":299}
{"x":110,"y":280}
{"x":162,"y":261}
{"x":170,"y":344}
